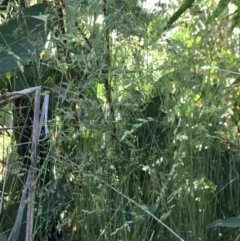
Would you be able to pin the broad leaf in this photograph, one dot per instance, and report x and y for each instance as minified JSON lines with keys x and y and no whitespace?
{"x":23,"y":38}
{"x":33,"y":75}
{"x":233,"y":222}
{"x":3,"y":237}
{"x":183,"y":8}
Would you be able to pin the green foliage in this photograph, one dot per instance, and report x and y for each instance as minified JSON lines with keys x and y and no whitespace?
{"x":48,"y":207}
{"x":187,"y":4}
{"x":220,"y":8}
{"x":33,"y":75}
{"x":223,"y":7}
{"x":153,"y":118}
{"x":233,"y":222}
{"x":23,"y":38}
{"x":148,"y":127}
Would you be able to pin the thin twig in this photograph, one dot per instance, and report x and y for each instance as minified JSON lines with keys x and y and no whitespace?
{"x":152,"y":236}
{"x":143,"y":209}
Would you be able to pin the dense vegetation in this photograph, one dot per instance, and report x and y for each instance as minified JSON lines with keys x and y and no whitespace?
{"x":139,"y":138}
